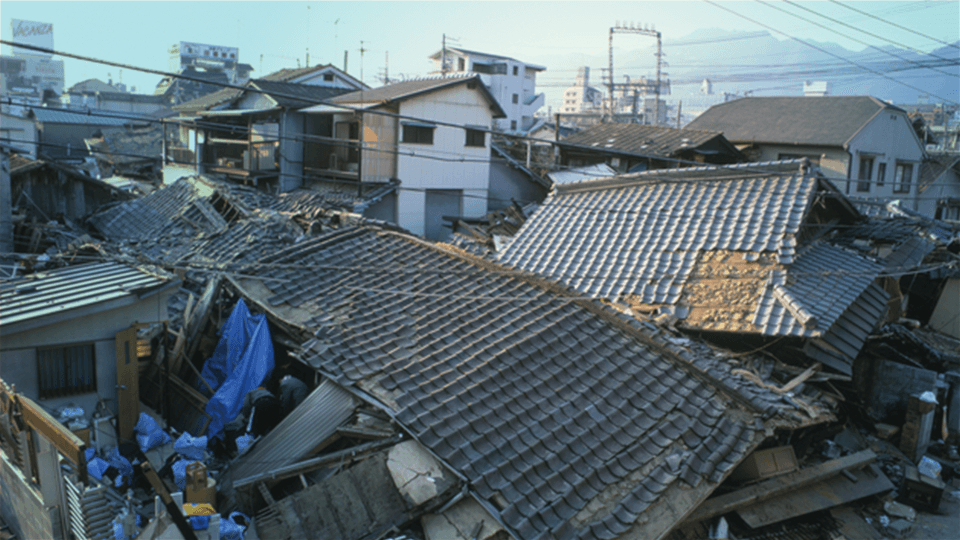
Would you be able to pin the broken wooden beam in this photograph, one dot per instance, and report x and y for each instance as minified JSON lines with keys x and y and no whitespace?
{"x":779,"y":485}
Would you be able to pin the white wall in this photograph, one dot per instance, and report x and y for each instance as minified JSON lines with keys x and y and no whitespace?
{"x":888,"y":138}
{"x":458,"y":105}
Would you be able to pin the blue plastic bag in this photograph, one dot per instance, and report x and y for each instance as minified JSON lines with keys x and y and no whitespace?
{"x":191,"y":447}
{"x":243,"y":442}
{"x":230,"y":529}
{"x":149,"y":434}
{"x":200,"y":523}
{"x":180,"y":472}
{"x":96,"y":467}
{"x":121,"y":463}
{"x":242,"y":360}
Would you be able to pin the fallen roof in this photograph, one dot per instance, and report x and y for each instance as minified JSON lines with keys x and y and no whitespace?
{"x":819,"y":121}
{"x":27,"y":301}
{"x":579,"y":174}
{"x":565,"y":418}
{"x":718,"y":244}
{"x":645,"y":140}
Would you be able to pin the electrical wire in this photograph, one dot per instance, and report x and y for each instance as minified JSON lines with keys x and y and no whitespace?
{"x":821,"y":49}
{"x":912,"y":31}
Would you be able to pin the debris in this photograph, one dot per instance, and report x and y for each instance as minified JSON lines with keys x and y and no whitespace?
{"x":900,"y":510}
{"x":899,"y":528}
{"x":148,"y":433}
{"x":921,"y":491}
{"x":915,"y":437}
{"x":885,"y":431}
{"x":766,"y":463}
{"x":929,"y":468}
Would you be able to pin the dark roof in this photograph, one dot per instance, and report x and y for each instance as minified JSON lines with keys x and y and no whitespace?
{"x":288,"y":74}
{"x":820,"y":121}
{"x":644,"y":140}
{"x":544,"y":403}
{"x":292,"y":95}
{"x":402,"y":91}
{"x":722,"y":253}
{"x":205,"y":102}
{"x":86,"y":117}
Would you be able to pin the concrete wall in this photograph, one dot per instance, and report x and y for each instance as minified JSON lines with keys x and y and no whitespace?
{"x":19,"y":351}
{"x":458,"y":105}
{"x":890,"y":385}
{"x":21,"y":505}
{"x":20,"y":129}
{"x":946,"y":315}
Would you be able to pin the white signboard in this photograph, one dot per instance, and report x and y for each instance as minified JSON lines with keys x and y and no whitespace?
{"x":209,"y":52}
{"x":37,"y":34}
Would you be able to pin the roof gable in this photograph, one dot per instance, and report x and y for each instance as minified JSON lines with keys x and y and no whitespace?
{"x":403,"y":91}
{"x":818,"y":121}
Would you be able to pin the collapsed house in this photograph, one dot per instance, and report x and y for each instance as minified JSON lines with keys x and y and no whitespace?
{"x":450,"y":396}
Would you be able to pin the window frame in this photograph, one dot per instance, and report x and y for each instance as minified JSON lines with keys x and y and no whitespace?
{"x":417,"y":134}
{"x":471,"y":138}
{"x":50,"y":365}
{"x":516,"y":98}
{"x":864,"y":174}
{"x":899,"y":184}
{"x":881,"y":173}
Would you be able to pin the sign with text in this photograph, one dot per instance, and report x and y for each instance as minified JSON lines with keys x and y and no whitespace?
{"x":37,"y":34}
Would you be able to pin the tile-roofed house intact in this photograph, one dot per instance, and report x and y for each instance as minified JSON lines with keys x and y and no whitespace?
{"x":560,"y":414}
{"x":722,"y":253}
{"x":294,"y":96}
{"x":823,"y":121}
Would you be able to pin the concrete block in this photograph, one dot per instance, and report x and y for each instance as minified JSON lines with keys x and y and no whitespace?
{"x":418,"y":476}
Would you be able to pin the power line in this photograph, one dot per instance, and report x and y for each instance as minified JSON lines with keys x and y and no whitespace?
{"x":812,"y":46}
{"x":912,"y":31}
{"x":871,"y":34}
{"x":920,"y":65}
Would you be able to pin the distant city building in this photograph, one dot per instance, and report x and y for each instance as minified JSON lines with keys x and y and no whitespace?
{"x":816,"y":88}
{"x":706,"y":87}
{"x":29,"y":77}
{"x":208,"y":67}
{"x":581,"y":98}
{"x":513,"y":83}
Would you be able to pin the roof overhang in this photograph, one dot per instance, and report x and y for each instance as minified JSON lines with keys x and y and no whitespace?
{"x":239,"y":112}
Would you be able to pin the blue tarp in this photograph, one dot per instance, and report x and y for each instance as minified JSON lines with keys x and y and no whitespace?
{"x":242,"y":360}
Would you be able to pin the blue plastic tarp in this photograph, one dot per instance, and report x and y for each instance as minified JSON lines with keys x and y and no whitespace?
{"x":242,"y":360}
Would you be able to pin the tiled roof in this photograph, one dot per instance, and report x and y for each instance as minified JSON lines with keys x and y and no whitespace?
{"x":292,"y":95}
{"x":721,"y":253}
{"x":643,"y":238}
{"x":642,"y":140}
{"x":546,"y":405}
{"x":207,"y":101}
{"x":408,"y":89}
{"x":821,"y":121}
{"x":86,"y":117}
{"x":55,"y":291}
{"x":842,"y":343}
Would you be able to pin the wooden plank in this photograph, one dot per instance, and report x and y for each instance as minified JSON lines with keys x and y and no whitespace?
{"x":828,"y":493}
{"x":852,"y":525}
{"x":128,"y":383}
{"x":779,"y":485}
{"x":796,"y":381}
{"x":64,"y":440}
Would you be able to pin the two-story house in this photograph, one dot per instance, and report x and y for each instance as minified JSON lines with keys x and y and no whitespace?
{"x":867,"y":147}
{"x":429,"y":135}
{"x":513,"y":83}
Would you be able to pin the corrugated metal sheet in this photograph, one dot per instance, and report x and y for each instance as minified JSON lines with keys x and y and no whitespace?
{"x":48,"y":293}
{"x":579,"y":174}
{"x":311,"y":423}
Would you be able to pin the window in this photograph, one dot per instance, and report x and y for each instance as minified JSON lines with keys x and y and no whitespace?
{"x":328,"y":77}
{"x":66,"y":371}
{"x":418,"y":134}
{"x":461,"y":64}
{"x":475,"y":137}
{"x":866,"y":169}
{"x":881,"y":174}
{"x":513,"y":124}
{"x":902,"y":178}
{"x":516,"y":70}
{"x":516,"y":98}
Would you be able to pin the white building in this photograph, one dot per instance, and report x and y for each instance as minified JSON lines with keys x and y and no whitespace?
{"x":442,"y":170}
{"x":581,"y":98}
{"x":513,"y":83}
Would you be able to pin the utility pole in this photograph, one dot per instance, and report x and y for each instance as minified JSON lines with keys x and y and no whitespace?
{"x":443,"y":56}
{"x":644,"y":31}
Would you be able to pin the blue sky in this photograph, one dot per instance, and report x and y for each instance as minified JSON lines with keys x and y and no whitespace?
{"x":272,"y":35}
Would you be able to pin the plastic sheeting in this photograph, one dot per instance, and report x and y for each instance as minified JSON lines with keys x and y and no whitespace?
{"x":190,"y":447}
{"x":148,"y":433}
{"x":242,"y":360}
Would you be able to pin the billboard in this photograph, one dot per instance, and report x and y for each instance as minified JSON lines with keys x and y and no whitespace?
{"x":208,"y":52}
{"x":38,"y":34}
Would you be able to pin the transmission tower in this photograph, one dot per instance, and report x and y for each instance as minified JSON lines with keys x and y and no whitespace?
{"x":644,"y":31}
